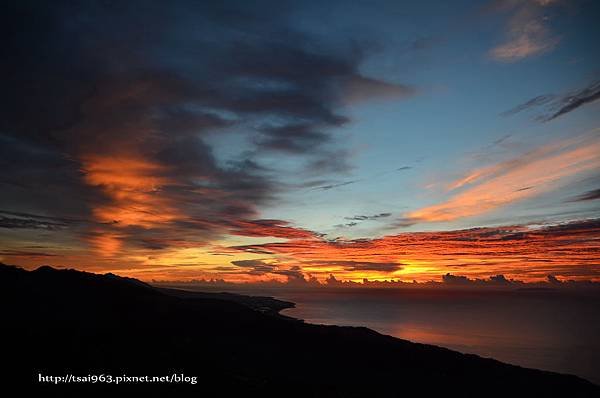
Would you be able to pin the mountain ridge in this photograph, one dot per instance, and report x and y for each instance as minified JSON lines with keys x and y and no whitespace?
{"x":61,"y":321}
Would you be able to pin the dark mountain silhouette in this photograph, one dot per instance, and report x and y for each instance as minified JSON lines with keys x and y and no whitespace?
{"x":59,"y":322}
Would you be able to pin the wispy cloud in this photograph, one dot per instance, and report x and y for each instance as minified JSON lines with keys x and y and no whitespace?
{"x":355,"y":220}
{"x":26,"y":253}
{"x":590,"y":195}
{"x":532,"y":103}
{"x":19,"y":220}
{"x":336,"y":185}
{"x":527,"y":32}
{"x":559,"y":105}
{"x":346,"y":225}
{"x":536,"y":172}
{"x":368,"y":217}
{"x":573,"y":101}
{"x":326,"y":187}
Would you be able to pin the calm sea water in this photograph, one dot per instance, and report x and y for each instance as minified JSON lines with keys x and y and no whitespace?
{"x":551,"y":330}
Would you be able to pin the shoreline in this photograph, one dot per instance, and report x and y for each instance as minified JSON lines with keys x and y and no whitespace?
{"x":111,"y":324}
{"x":332,"y":310}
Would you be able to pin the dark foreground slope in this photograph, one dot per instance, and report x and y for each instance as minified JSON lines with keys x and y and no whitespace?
{"x":70,"y":322}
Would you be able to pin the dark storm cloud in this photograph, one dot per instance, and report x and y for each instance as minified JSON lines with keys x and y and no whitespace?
{"x":105,"y":98}
{"x":557,"y":106}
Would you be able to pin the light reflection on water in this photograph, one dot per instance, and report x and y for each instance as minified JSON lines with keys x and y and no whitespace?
{"x":545,"y":330}
{"x":551,"y":330}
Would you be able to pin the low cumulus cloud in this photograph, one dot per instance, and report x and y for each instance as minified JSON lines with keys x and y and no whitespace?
{"x":494,"y":280}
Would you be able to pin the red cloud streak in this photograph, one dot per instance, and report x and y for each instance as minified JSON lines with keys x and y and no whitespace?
{"x":528,"y":253}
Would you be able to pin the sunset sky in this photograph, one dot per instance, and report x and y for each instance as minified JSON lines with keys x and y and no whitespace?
{"x":274,"y":140}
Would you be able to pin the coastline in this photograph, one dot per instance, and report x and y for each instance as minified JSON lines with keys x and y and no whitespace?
{"x":67,"y":321}
{"x":536,"y":329}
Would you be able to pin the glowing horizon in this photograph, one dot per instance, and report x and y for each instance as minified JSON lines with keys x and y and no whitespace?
{"x":229,"y":144}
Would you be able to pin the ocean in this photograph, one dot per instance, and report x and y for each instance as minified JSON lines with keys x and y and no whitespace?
{"x":543,"y":329}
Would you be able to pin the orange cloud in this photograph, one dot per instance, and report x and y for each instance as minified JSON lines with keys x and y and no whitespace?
{"x":528,"y":33}
{"x":133,"y":186}
{"x":136,"y":197}
{"x":106,"y":243}
{"x":536,"y":172}
{"x":527,"y":253}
